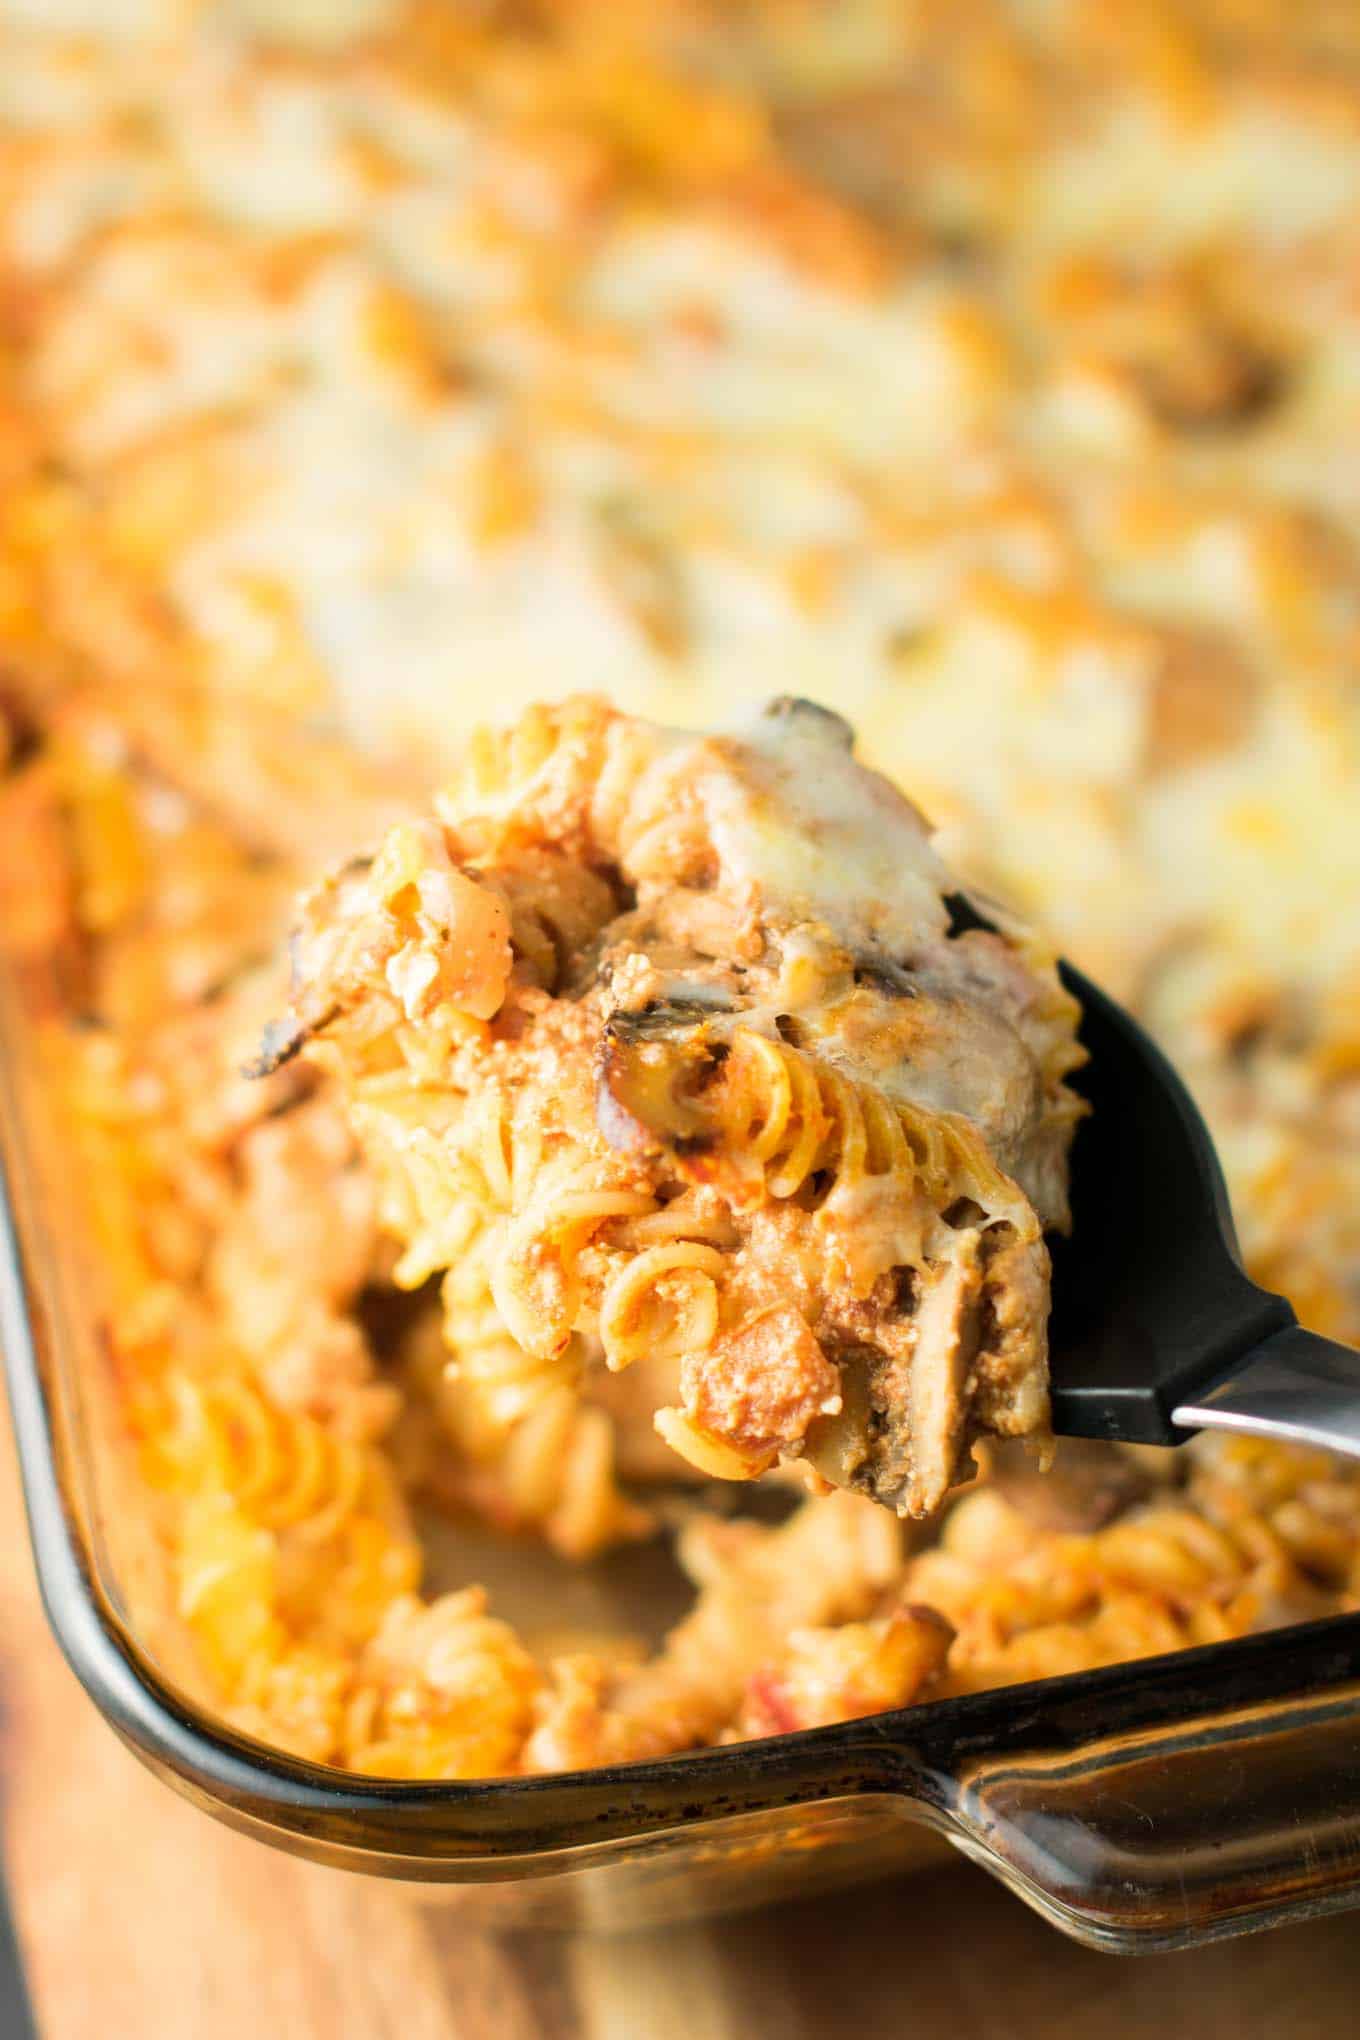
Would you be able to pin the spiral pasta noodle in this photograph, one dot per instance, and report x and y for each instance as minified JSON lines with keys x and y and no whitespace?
{"x":676,"y":1283}
{"x":797,"y":1119}
{"x":546,"y":1463}
{"x":1026,"y":1602}
{"x":444,"y":1690}
{"x":285,"y":1472}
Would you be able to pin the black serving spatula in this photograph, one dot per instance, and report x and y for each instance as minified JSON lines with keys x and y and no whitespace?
{"x":1156,"y":1330}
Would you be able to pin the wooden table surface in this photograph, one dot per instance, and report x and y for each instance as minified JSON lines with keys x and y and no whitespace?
{"x":139,"y":1916}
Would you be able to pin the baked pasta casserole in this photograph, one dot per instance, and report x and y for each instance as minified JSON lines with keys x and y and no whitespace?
{"x":987,"y":375}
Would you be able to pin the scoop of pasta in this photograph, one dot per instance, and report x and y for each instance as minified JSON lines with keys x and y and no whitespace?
{"x":688,"y":1047}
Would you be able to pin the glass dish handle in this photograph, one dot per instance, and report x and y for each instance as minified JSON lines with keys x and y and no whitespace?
{"x":1167,"y":1832}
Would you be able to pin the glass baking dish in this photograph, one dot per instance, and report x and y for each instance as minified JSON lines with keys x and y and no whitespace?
{"x":1151,"y":1805}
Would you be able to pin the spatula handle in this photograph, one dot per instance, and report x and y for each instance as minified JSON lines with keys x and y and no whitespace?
{"x":1294,"y":1386}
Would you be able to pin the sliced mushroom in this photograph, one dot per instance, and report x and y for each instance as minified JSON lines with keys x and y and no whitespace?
{"x":838,"y":1447}
{"x":947,"y":1321}
{"x":653,"y":1066}
{"x":902,"y":1433}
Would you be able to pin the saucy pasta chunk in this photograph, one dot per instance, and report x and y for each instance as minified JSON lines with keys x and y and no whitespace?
{"x":687,"y":1049}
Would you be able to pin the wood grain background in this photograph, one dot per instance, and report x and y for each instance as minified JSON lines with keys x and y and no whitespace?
{"x":139,"y":1916}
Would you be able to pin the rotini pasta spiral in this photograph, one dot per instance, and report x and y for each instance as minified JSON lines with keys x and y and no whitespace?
{"x":284,"y":1471}
{"x":483,"y":1353}
{"x":289,"y":1536}
{"x":1026,"y":1602}
{"x":443,"y":1691}
{"x":549,"y":1466}
{"x":1307,"y":1499}
{"x":663,"y":1301}
{"x":797,"y":1119}
{"x":557,"y":907}
{"x":501,"y":767}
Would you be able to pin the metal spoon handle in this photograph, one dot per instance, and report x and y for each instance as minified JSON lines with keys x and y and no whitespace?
{"x":1294,"y":1386}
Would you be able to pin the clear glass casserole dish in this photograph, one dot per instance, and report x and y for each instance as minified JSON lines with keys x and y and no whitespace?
{"x":1154,"y":1804}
